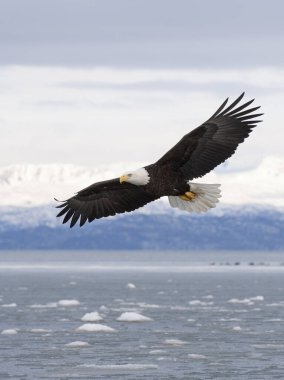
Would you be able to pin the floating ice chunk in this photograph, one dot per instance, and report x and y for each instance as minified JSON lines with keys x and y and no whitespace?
{"x":248,"y":301}
{"x":281,"y":304}
{"x":43,"y":306}
{"x":40,"y":331}
{"x":67,"y":303}
{"x":130,"y":316}
{"x":130,"y":286}
{"x":244,"y":301}
{"x":237,"y":328}
{"x":148,"y":305}
{"x":103,"y":308}
{"x":175,"y":342}
{"x":209,"y":297}
{"x":197,"y":356}
{"x":95,"y":327}
{"x":156,"y":352}
{"x":77,"y":343}
{"x":9,"y":305}
{"x":9,"y":332}
{"x":92,"y":317}
{"x":200,"y":303}
{"x":191,"y":320}
{"x":257,"y":298}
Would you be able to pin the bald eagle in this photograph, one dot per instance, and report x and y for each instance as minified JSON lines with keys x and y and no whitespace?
{"x":196,"y":154}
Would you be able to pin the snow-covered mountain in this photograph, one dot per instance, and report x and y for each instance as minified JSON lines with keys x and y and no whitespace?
{"x":34,"y":185}
{"x":249,"y":216}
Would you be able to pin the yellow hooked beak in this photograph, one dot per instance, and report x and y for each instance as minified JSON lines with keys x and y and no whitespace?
{"x":123,"y":178}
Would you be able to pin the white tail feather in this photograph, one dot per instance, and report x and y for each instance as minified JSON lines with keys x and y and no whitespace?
{"x":206,"y":197}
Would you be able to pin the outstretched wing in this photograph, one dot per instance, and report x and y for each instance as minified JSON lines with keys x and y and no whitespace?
{"x":103,"y":199}
{"x":207,"y":146}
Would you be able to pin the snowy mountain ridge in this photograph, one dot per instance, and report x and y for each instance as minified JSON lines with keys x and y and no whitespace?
{"x":35,"y":185}
{"x":249,"y":216}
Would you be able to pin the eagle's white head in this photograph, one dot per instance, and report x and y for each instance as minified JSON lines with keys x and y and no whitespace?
{"x":139,"y":177}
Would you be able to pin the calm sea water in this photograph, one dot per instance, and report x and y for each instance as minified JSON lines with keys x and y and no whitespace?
{"x":213,"y":315}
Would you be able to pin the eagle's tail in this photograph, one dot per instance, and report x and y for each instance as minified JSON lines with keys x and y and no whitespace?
{"x":202,"y":197}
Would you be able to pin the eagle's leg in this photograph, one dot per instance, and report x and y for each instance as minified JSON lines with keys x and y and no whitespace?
{"x":188,"y":196}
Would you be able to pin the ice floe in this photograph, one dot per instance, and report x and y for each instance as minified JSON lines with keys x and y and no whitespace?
{"x":175,"y":342}
{"x":9,"y":305}
{"x":68,"y":303}
{"x":197,"y":356}
{"x":77,"y":343}
{"x":208,"y":297}
{"x":148,"y":305}
{"x":92,"y":317}
{"x":133,"y":317}
{"x":257,"y":298}
{"x":237,"y":328}
{"x":9,"y":332}
{"x":60,"y":303}
{"x":276,"y":304}
{"x":156,"y":352}
{"x":44,"y":306}
{"x":94,"y":327}
{"x":130,"y":285}
{"x":247,"y":301}
{"x":200,"y":303}
{"x":40,"y":331}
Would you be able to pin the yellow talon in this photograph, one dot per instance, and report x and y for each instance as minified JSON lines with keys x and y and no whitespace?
{"x":184,"y":197}
{"x":188,"y":196}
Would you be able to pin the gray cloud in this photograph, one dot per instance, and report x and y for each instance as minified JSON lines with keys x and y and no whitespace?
{"x":162,"y":33}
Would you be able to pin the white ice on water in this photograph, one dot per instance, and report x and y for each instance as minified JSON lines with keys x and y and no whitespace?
{"x":130,"y":316}
{"x":44,"y":306}
{"x":196,"y":356}
{"x":200,"y":303}
{"x":247,"y":301}
{"x":92,"y":317}
{"x":60,"y":303}
{"x":156,"y":352}
{"x":67,"y":303}
{"x":77,"y":343}
{"x":9,"y":305}
{"x":130,"y":285}
{"x":95,"y":327}
{"x":175,"y":342}
{"x":9,"y":332}
{"x":40,"y":331}
{"x":237,"y":328}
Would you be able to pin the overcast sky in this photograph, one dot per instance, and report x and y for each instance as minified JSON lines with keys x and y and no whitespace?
{"x":88,"y":82}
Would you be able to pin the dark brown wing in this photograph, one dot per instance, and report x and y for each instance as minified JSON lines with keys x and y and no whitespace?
{"x":207,"y":146}
{"x":103,"y":199}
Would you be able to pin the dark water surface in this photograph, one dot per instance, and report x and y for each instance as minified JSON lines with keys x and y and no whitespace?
{"x":213,"y":315}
